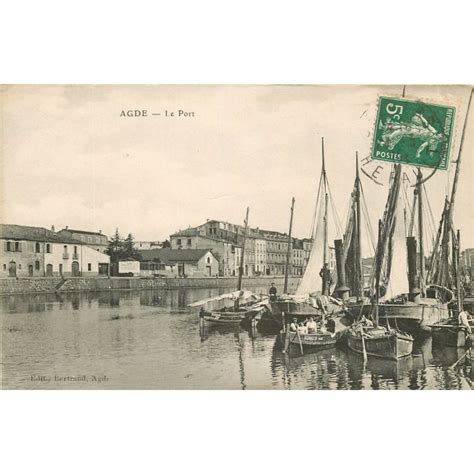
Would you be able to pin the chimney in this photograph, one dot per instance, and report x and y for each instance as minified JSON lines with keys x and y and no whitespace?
{"x":52,"y":228}
{"x":66,"y":227}
{"x":100,"y":231}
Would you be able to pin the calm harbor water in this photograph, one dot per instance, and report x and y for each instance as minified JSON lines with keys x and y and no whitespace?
{"x":150,"y":339}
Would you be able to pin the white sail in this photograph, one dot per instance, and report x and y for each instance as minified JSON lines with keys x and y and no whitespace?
{"x":398,"y":278}
{"x":312,"y":281}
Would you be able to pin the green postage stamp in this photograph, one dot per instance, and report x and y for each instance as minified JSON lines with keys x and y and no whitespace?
{"x":413,"y":133}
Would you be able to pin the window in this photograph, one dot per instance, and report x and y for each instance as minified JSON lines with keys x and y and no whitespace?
{"x":9,"y":246}
{"x":37,"y":247}
{"x":37,"y":265}
{"x":189,"y":241}
{"x":65,"y":249}
{"x":17,"y":247}
{"x":4,"y":266}
{"x":48,"y":248}
{"x":208,"y":259}
{"x":178,"y":241}
{"x":19,"y":266}
{"x":89,"y":267}
{"x":75,"y":249}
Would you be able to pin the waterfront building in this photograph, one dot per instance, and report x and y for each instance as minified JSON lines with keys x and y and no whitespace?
{"x":95,"y":240}
{"x":297,"y":258}
{"x":180,"y":263}
{"x":147,"y":244}
{"x":265,"y":250}
{"x":27,"y":251}
{"x":223,"y":250}
{"x":276,"y":246}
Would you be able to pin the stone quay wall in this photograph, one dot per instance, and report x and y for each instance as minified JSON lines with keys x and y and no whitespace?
{"x":9,"y":286}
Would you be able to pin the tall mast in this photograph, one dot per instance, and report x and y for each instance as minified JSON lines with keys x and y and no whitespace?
{"x":421,"y":230}
{"x":458,"y":275}
{"x":358,"y":230}
{"x":288,"y":250}
{"x":241,"y":267}
{"x":458,"y":165}
{"x":325,"y":248}
{"x":448,"y":224}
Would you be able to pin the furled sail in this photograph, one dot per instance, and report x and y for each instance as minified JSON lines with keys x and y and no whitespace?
{"x":391,"y":255}
{"x":352,"y":250}
{"x":396,"y":277}
{"x":312,"y":281}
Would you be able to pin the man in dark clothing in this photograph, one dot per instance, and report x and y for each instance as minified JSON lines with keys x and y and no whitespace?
{"x":273,"y":292}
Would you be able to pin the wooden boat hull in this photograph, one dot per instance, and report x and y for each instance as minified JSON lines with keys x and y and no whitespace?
{"x":313,"y":341}
{"x":449,"y":333}
{"x":224,"y":317}
{"x":408,"y":317}
{"x":390,"y":345}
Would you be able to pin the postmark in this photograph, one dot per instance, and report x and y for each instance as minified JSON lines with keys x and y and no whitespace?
{"x":413,"y":133}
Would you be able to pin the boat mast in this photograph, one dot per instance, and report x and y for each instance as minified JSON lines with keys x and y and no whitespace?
{"x":288,"y":250}
{"x":358,"y":230}
{"x":421,"y":231}
{"x":457,"y":247}
{"x":241,"y":266}
{"x":448,"y":224}
{"x":325,"y":290}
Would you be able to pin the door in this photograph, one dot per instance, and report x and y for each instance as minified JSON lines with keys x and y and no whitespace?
{"x":75,"y":269}
{"x":30,"y":270}
{"x":209,"y":270}
{"x":12,"y":269}
{"x":181,"y":269}
{"x":49,"y":270}
{"x":103,"y":269}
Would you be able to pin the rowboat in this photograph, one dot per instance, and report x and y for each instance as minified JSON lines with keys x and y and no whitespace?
{"x":380,"y":342}
{"x":222,"y":317}
{"x":319,"y":340}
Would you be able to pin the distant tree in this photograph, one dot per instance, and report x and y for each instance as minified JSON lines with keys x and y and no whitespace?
{"x":166,"y":244}
{"x":115,"y":248}
{"x":129,"y":248}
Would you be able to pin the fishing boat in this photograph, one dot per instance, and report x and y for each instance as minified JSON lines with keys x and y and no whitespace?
{"x":456,"y":331}
{"x":380,"y":342}
{"x":313,"y":296}
{"x":314,"y":341}
{"x":405,"y":302}
{"x":230,"y":308}
{"x":371,"y":338}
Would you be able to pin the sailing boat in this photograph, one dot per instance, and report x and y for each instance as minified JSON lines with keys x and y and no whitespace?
{"x":445,"y":269}
{"x":312,"y":297}
{"x":403,"y":303}
{"x":231,"y":307}
{"x":364,"y":336}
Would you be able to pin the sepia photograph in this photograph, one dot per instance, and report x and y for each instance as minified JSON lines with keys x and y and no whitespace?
{"x":241,"y":237}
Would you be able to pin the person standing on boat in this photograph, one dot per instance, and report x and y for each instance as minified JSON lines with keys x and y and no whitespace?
{"x":463,"y":320}
{"x":272,"y":292}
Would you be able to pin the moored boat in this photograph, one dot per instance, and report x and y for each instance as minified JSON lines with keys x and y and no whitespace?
{"x":380,"y":342}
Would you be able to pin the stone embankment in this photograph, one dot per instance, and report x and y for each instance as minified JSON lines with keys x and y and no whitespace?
{"x":9,"y":286}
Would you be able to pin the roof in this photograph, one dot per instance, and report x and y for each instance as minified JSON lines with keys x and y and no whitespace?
{"x":88,"y":232}
{"x":168,"y":255}
{"x":37,"y":234}
{"x":191,"y":232}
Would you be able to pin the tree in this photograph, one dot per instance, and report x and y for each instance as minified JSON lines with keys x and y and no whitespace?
{"x":115,"y":248}
{"x":166,"y":244}
{"x":129,"y":248}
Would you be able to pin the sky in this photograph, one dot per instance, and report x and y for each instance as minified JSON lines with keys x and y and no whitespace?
{"x":68,"y":157}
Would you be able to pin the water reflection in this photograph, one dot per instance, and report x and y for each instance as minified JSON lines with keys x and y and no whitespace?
{"x":151,"y":339}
